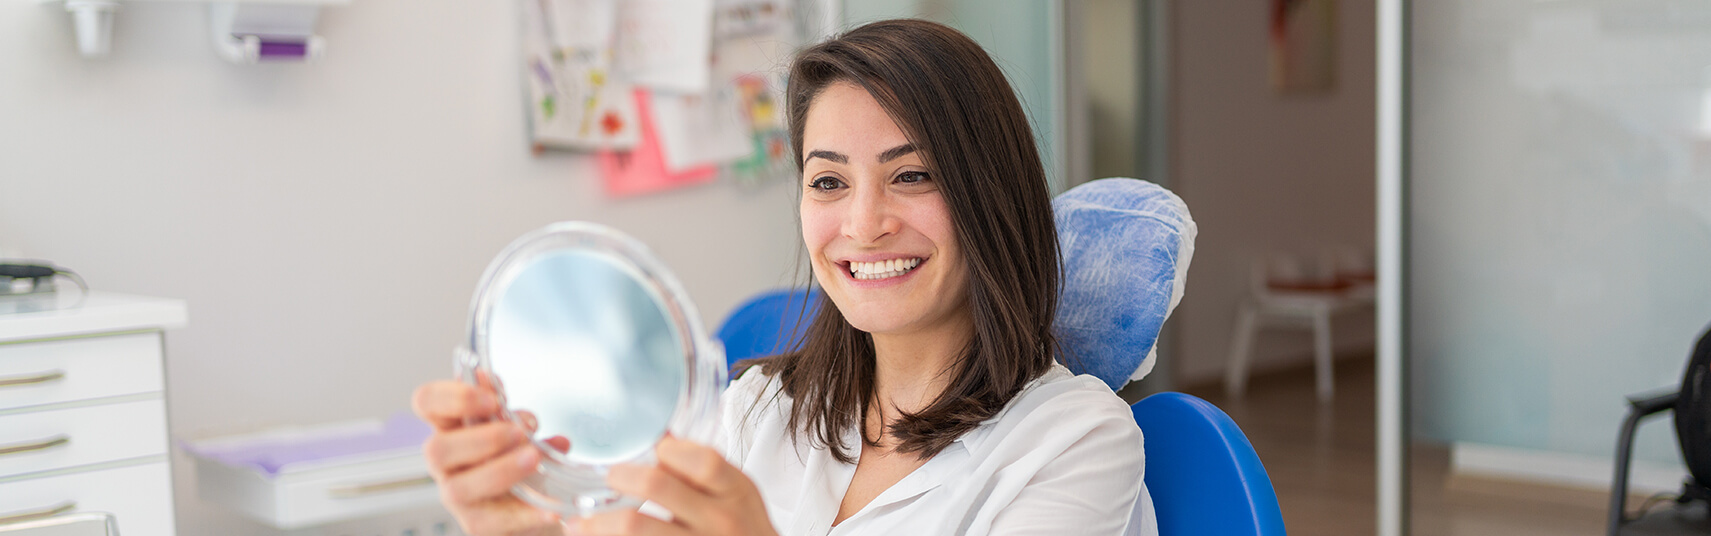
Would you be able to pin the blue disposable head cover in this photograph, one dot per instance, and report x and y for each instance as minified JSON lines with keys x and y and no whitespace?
{"x":1126,"y":244}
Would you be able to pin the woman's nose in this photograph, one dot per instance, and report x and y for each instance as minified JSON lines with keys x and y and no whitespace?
{"x":871,"y":217}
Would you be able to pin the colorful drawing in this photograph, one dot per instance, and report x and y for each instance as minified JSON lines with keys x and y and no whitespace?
{"x":567,"y":46}
{"x":759,"y":103}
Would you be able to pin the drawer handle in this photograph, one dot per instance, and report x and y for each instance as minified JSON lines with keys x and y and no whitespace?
{"x":32,"y":446}
{"x":31,"y":379}
{"x":352,"y":491}
{"x":27,"y":515}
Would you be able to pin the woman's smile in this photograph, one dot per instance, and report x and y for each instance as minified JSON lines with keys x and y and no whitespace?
{"x":885,"y":271}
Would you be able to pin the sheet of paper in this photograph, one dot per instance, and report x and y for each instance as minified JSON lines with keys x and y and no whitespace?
{"x":698,"y":130}
{"x":574,"y":101}
{"x":643,"y":170}
{"x":753,"y":43}
{"x":745,"y":18}
{"x":665,"y":44}
{"x":581,"y":24}
{"x":769,"y":156}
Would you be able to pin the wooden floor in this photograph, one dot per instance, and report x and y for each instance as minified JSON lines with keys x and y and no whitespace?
{"x":1321,"y":460}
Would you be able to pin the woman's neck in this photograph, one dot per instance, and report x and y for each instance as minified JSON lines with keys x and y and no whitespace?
{"x":912,"y":369}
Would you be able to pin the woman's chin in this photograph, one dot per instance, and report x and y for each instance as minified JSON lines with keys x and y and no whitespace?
{"x":874,"y":326}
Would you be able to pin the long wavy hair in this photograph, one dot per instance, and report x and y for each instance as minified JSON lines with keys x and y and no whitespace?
{"x":955,"y":105}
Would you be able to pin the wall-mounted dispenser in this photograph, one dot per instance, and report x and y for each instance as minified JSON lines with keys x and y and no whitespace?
{"x":246,"y":32}
{"x":243,"y":31}
{"x":93,"y":20}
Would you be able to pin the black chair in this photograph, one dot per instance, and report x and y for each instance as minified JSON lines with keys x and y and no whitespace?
{"x":1692,"y":405}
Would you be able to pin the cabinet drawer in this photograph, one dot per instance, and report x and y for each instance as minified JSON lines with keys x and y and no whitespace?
{"x":93,"y":434}
{"x":49,"y":372}
{"x":139,"y":497}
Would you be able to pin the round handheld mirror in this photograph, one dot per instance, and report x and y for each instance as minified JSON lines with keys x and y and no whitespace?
{"x":580,"y":330}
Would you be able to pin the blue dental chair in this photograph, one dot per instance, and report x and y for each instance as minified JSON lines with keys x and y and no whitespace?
{"x":1126,"y":246}
{"x":768,"y":324}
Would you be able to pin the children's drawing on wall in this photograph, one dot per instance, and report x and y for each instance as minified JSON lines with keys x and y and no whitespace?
{"x":1303,"y":45}
{"x":768,"y":139}
{"x":573,"y":101}
{"x":756,"y":38}
{"x":709,"y":74}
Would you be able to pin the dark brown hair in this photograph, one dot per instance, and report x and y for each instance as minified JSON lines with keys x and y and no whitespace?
{"x":954,"y":104}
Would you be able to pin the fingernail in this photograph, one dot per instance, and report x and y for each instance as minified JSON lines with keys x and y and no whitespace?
{"x":528,"y":458}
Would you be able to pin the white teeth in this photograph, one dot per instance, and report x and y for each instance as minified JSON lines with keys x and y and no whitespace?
{"x":882,"y":269}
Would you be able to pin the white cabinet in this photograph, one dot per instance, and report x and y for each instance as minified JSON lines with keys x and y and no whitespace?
{"x":83,"y":409}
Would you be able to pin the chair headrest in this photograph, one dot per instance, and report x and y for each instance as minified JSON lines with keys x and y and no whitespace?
{"x":1126,"y":244}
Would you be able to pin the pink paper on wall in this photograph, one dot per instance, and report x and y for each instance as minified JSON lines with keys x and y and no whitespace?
{"x":642,"y":170}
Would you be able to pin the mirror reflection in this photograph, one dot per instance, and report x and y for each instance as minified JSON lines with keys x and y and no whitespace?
{"x":578,"y":342}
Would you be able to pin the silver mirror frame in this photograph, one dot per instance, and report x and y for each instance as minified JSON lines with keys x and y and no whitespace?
{"x":560,"y":484}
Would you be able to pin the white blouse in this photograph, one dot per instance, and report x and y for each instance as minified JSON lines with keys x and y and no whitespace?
{"x":1064,"y":457}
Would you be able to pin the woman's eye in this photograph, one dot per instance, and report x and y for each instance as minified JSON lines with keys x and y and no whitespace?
{"x":912,"y":177}
{"x":824,"y":184}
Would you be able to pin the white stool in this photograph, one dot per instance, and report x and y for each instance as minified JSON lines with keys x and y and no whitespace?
{"x":1306,"y":307}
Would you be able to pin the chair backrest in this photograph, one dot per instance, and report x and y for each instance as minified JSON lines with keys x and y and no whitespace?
{"x":1693,"y":412}
{"x":1204,"y":476}
{"x":1126,"y":246}
{"x":768,"y":324}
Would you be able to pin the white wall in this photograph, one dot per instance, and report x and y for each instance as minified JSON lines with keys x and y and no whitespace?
{"x":326,"y":222}
{"x":1264,"y":172}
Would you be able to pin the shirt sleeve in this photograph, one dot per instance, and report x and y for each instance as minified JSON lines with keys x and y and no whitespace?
{"x":737,"y":407}
{"x":1093,"y":486}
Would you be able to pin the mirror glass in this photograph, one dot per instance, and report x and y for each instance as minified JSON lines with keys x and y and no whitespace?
{"x":584,"y":333}
{"x":581,"y":345}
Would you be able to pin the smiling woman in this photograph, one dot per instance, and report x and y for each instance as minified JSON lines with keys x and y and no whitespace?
{"x":926,"y":394}
{"x":926,"y":398}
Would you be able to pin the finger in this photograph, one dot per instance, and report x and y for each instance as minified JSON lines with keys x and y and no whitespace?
{"x":558,"y":443}
{"x":447,"y":404}
{"x":625,"y":523}
{"x":689,"y":505}
{"x":530,"y":423}
{"x":452,"y":451}
{"x":486,"y":380}
{"x":490,"y":479}
{"x":528,"y":420}
{"x":506,"y":515}
{"x":698,"y":465}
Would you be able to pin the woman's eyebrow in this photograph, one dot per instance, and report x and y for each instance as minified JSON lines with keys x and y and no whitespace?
{"x":828,"y":155}
{"x":896,"y":152}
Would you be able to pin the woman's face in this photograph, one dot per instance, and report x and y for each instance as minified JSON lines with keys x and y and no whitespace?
{"x":878,"y":231}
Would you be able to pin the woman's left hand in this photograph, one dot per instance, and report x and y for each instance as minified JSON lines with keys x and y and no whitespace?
{"x":706,"y":495}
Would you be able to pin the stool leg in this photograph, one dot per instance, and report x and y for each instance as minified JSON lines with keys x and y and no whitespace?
{"x":1322,"y":353}
{"x":1236,"y":369}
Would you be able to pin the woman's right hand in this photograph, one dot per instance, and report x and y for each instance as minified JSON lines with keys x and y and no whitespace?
{"x":476,"y":464}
